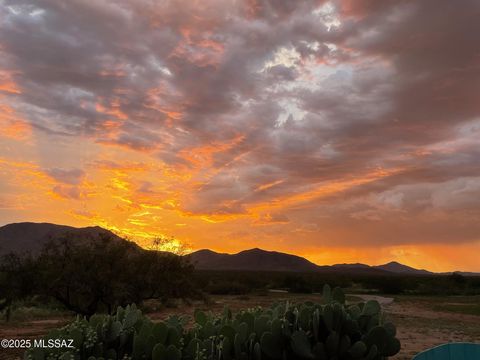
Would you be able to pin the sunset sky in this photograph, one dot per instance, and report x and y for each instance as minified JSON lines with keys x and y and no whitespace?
{"x":342,"y":131}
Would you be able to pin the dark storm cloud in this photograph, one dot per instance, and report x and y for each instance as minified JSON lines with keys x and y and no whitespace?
{"x":435,"y":58}
{"x":281,"y":97}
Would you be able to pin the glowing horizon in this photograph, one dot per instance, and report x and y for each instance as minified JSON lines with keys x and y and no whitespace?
{"x":326,"y":129}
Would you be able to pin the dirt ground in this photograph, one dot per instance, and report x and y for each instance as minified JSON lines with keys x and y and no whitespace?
{"x":419,"y":326}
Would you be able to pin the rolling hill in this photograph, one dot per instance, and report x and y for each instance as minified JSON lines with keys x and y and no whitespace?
{"x":31,"y":237}
{"x":262,"y":260}
{"x":398,"y":268}
{"x":253,"y":259}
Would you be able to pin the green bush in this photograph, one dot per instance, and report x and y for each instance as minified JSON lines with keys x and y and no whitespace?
{"x":331,"y":330}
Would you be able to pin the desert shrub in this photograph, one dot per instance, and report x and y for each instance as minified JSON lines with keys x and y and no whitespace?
{"x":253,"y":281}
{"x":18,"y":280}
{"x":328,"y":330}
{"x":458,"y":278}
{"x":454,"y":284}
{"x":97,"y":275}
{"x":473,"y":286}
{"x":387,"y":285}
{"x":297,"y":284}
{"x":222,"y":287}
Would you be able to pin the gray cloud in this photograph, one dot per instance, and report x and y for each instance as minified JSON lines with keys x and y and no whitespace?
{"x":68,"y":192}
{"x":70,"y":177}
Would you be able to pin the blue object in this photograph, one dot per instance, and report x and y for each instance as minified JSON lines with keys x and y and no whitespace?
{"x":451,"y":351}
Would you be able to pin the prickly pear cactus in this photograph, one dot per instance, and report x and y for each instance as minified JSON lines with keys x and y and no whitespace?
{"x":328,"y":330}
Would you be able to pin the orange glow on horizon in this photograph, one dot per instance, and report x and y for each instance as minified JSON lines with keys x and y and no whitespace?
{"x":128,"y":213}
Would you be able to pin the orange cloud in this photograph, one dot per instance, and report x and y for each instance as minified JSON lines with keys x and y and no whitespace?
{"x":198,"y":48}
{"x":12,"y":126}
{"x":202,"y":156}
{"x":269,"y":185}
{"x":112,"y":109}
{"x":324,"y":190}
{"x":7,"y":84}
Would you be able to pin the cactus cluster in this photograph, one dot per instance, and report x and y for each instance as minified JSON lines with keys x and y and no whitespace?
{"x":317,"y":331}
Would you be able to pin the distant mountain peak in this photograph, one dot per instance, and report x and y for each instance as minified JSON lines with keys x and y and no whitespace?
{"x":395,"y":263}
{"x":251,"y":259}
{"x":253,"y":251}
{"x":31,"y":237}
{"x":205,"y":251}
{"x":257,"y":259}
{"x":396,"y":267}
{"x":354,"y":265}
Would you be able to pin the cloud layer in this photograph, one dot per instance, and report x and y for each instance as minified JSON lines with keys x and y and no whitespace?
{"x":339,"y":123}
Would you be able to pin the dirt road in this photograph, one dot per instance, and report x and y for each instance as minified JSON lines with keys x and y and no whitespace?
{"x":381,"y":299}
